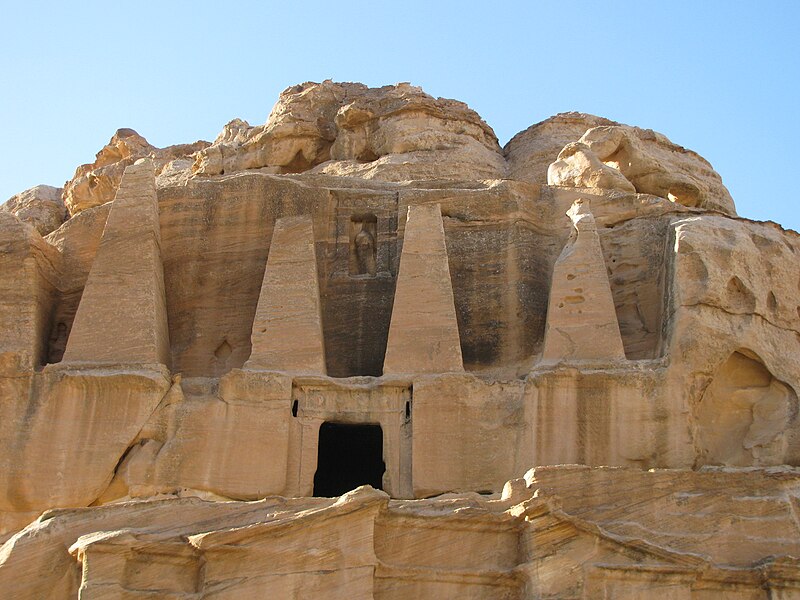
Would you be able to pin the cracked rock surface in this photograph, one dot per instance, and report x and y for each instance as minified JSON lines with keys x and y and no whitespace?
{"x":568,"y":364}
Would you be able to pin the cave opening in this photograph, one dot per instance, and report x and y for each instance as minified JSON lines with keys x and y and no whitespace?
{"x":348,"y":456}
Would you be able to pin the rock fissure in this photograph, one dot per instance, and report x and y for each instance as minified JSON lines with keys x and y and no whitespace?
{"x":764,"y":318}
{"x":584,"y":301}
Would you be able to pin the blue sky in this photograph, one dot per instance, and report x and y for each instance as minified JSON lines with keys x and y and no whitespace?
{"x":721,"y":78}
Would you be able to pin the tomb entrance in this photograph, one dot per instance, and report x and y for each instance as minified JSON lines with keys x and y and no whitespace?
{"x":348,"y":456}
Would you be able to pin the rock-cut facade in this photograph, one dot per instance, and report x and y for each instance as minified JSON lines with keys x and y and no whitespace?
{"x":362,"y":351}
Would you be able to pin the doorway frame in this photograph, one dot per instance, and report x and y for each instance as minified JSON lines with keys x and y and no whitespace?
{"x":351,"y":401}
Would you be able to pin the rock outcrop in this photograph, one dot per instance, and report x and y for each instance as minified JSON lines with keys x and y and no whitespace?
{"x":656,"y":166}
{"x":584,"y":151}
{"x":569,"y":367}
{"x":530,"y":152}
{"x":96,"y":183}
{"x":393,"y":133}
{"x":557,"y":533}
{"x":577,"y":166}
{"x":40,"y":206}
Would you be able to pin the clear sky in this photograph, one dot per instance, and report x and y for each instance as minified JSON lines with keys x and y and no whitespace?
{"x":719,"y":77}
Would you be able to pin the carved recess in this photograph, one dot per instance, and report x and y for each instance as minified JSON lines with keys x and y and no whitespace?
{"x":745,"y":415}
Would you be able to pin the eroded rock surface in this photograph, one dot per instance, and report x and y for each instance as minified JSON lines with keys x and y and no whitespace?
{"x":366,"y":289}
{"x":41,"y":206}
{"x":530,"y":152}
{"x":584,"y":151}
{"x":558,"y":533}
{"x":96,"y":183}
{"x":393,"y":133}
{"x":656,"y":166}
{"x":578,"y":166}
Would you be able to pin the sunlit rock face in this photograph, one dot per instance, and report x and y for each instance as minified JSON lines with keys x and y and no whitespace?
{"x":96,"y":183}
{"x":40,"y":206}
{"x":393,"y":133}
{"x":561,"y":369}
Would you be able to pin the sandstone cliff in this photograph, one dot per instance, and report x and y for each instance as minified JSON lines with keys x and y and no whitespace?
{"x":202,"y":341}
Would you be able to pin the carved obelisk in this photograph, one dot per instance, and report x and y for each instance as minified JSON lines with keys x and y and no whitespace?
{"x":581,"y":319}
{"x":423,"y":332}
{"x":122,"y":316}
{"x":287,"y":329}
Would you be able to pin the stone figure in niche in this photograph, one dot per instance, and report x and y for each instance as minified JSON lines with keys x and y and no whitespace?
{"x":58,"y":343}
{"x":365,"y":252}
{"x":363,"y":246}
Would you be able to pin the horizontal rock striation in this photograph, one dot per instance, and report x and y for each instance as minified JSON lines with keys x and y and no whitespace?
{"x":205,"y":348}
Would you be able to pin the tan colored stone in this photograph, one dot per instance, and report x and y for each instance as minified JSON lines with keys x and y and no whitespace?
{"x":96,"y":183}
{"x":468,"y":434}
{"x":28,"y":279}
{"x":563,"y":532}
{"x":647,"y":159}
{"x":297,"y":135}
{"x":218,"y":241}
{"x":743,"y":415}
{"x":423,"y":334}
{"x":188,"y":443}
{"x":346,"y":129}
{"x":654,"y":165}
{"x":391,"y":136}
{"x":578,"y":166}
{"x":41,"y":206}
{"x":77,"y":242}
{"x":44,"y":467}
{"x":367,"y":227}
{"x":530,"y":152}
{"x":287,"y":329}
{"x":735,"y":338}
{"x":122,"y":317}
{"x":581,"y":319}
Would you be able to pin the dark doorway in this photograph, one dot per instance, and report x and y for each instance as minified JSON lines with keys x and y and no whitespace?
{"x":348,"y":456}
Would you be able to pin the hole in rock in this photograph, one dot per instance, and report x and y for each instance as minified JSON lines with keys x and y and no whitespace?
{"x":348,"y":456}
{"x":744,"y":415}
{"x":298,"y":164}
{"x":223,"y":351}
{"x":740,"y":298}
{"x":367,"y":155}
{"x":294,"y":408}
{"x":772,"y":302}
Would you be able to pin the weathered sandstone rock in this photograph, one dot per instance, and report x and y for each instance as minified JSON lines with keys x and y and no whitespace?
{"x":561,"y":532}
{"x":579,"y":150}
{"x":287,"y":328}
{"x":423,"y":336}
{"x":41,"y":206}
{"x":297,"y":135}
{"x":96,"y":183}
{"x":578,"y":166}
{"x":654,"y":165}
{"x":530,"y":152}
{"x":582,"y":323}
{"x":392,"y":133}
{"x":122,"y":317}
{"x":577,"y":387}
{"x":29,"y":268}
